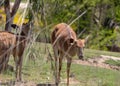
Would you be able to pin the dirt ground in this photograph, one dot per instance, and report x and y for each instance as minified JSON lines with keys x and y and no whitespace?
{"x":96,"y":62}
{"x":99,"y":62}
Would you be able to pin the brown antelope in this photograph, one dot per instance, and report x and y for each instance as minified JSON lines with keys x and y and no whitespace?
{"x":15,"y":44}
{"x":65,"y":44}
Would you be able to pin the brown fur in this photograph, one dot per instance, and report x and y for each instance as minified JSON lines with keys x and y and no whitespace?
{"x":65,"y":44}
{"x":15,"y":44}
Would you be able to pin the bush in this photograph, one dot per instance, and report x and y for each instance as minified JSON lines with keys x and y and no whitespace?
{"x":102,"y":37}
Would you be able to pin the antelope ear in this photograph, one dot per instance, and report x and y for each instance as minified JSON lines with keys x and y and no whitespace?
{"x":14,"y":26}
{"x":73,"y":42}
{"x":83,"y":41}
{"x":70,"y":41}
{"x":86,"y":39}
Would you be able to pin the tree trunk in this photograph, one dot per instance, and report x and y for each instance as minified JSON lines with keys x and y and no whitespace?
{"x":43,"y":14}
{"x":10,"y":14}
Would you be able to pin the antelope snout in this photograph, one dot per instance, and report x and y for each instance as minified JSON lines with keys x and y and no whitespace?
{"x":81,"y":56}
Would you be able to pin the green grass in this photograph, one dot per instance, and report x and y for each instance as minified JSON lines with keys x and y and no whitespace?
{"x":93,"y":76}
{"x":40,"y":71}
{"x":113,"y":62}
{"x":95,"y":53}
{"x":21,"y":0}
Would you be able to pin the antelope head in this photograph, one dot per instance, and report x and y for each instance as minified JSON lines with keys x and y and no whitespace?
{"x":23,"y":29}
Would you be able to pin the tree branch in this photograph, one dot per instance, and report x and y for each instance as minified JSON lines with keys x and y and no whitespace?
{"x":78,"y":17}
{"x":15,"y":7}
{"x":8,"y":14}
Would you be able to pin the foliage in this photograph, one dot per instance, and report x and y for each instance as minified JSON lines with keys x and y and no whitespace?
{"x":101,"y":38}
{"x":56,"y":11}
{"x":47,"y":12}
{"x":117,"y":13}
{"x":17,"y":18}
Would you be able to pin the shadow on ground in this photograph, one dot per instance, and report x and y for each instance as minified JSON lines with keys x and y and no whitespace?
{"x":45,"y":84}
{"x":13,"y":83}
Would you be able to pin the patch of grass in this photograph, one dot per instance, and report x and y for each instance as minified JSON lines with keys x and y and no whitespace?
{"x":21,"y":0}
{"x":113,"y":62}
{"x":94,"y":76}
{"x":89,"y":53}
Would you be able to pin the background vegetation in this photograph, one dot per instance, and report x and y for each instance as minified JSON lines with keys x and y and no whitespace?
{"x":101,"y":21}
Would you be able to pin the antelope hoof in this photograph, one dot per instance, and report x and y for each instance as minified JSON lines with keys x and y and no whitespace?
{"x":56,"y":84}
{"x":81,"y":58}
{"x":59,"y":80}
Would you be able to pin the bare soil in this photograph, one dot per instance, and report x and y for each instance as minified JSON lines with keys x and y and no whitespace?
{"x":99,"y":62}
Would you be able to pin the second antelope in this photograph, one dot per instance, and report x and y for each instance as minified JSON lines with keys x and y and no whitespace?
{"x":15,"y":44}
